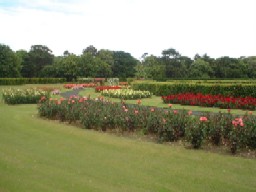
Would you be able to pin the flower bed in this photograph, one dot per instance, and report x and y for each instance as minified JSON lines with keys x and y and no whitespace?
{"x":75,"y":86}
{"x":166,"y":124}
{"x":55,"y":92}
{"x":126,"y":94}
{"x":101,"y":88}
{"x":123,"y":83}
{"x":211,"y":101}
{"x":23,"y":96}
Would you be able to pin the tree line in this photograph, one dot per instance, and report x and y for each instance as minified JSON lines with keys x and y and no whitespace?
{"x":40,"y":62}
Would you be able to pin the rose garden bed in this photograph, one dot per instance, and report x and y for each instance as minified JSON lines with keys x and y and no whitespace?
{"x":166,"y":124}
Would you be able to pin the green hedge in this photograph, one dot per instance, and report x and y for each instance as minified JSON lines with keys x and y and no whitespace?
{"x":160,"y":89}
{"x":20,"y":81}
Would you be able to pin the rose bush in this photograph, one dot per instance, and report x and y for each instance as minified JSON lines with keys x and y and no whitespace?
{"x":167,"y":124}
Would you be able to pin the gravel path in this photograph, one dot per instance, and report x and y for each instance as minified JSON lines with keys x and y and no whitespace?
{"x":70,"y":93}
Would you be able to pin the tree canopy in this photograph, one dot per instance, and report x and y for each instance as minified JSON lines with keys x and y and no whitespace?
{"x":40,"y":62}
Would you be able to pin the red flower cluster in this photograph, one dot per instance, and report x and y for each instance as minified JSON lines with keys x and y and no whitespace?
{"x":70,"y":86}
{"x":212,"y":101}
{"x":101,"y":88}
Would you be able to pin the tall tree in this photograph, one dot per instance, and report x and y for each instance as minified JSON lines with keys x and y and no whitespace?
{"x":154,"y":68}
{"x":226,"y":67}
{"x":200,"y":69}
{"x":90,"y":49}
{"x":26,"y":68}
{"x":10,"y":64}
{"x":67,"y":67}
{"x":176,"y":66}
{"x":124,"y":65}
{"x":38,"y":57}
{"x":250,"y":62}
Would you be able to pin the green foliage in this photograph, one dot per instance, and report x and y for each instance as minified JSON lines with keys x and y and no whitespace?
{"x":20,"y":81}
{"x":166,"y":124}
{"x":195,"y":132}
{"x":68,"y":67}
{"x":38,"y":57}
{"x":226,"y":89}
{"x":113,"y":81}
{"x":200,"y":69}
{"x":124,"y":64}
{"x":10,"y":64}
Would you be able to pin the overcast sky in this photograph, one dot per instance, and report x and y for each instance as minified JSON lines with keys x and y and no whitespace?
{"x":216,"y":27}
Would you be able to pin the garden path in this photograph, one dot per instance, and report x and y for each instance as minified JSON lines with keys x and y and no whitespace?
{"x":70,"y":93}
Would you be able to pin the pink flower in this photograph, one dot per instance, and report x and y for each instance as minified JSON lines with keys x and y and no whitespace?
{"x":190,"y":112}
{"x":126,"y":110}
{"x":203,"y":119}
{"x":136,"y":111}
{"x":250,"y":112}
{"x":152,"y":109}
{"x":43,"y":98}
{"x":175,"y":112}
{"x":238,"y":121}
{"x":170,"y":105}
{"x":164,"y":120}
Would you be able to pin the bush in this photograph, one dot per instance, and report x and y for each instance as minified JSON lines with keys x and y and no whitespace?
{"x":20,"y":81}
{"x":166,"y":124}
{"x":126,"y":94}
{"x":101,"y":88}
{"x":23,"y":96}
{"x":211,"y":101}
{"x":230,"y":89}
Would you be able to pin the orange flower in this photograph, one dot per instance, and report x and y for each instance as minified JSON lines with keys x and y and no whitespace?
{"x":170,"y":105}
{"x":139,"y":102}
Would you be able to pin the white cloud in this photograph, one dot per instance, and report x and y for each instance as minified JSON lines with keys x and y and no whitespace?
{"x":218,"y":28}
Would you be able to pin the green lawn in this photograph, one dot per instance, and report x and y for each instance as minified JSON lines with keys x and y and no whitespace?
{"x":42,"y":155}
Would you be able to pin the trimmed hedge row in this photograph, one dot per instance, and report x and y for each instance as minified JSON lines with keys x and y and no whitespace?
{"x":235,"y":90}
{"x":20,"y":81}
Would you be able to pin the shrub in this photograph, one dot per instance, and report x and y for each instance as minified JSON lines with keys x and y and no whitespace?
{"x":166,"y":124}
{"x":101,"y":88}
{"x":126,"y":94}
{"x":20,"y":81}
{"x":23,"y":96}
{"x":167,"y":88}
{"x":196,"y":131}
{"x":211,"y":100}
